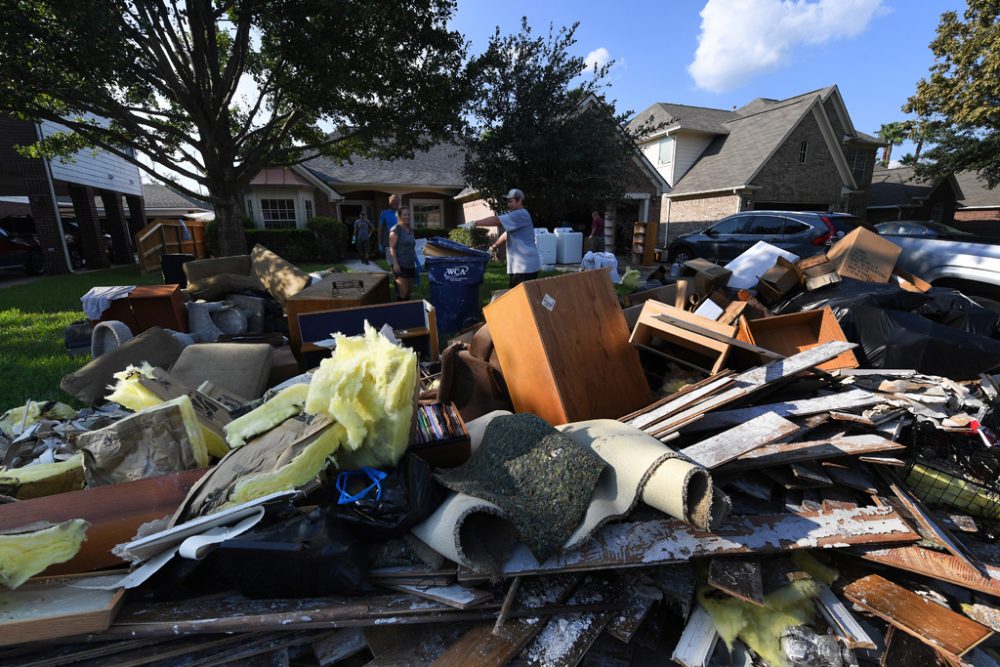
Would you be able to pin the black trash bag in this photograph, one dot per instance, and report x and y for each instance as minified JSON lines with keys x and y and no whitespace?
{"x":383,"y":504}
{"x":309,"y":555}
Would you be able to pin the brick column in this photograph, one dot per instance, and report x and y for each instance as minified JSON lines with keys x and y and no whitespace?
{"x":136,"y":214}
{"x":121,"y":243}
{"x":91,"y":240}
{"x":48,"y":226}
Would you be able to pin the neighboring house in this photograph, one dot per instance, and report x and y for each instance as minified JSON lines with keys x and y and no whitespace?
{"x":286,"y":197}
{"x":86,"y":175}
{"x":801,"y":153}
{"x":962,"y":199}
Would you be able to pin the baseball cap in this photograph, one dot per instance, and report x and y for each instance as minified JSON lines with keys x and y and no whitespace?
{"x":514,"y":194}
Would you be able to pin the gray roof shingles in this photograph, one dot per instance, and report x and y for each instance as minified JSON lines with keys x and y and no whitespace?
{"x":439,"y":166}
{"x":975,"y":193}
{"x":157,"y":196}
{"x":897,"y":187}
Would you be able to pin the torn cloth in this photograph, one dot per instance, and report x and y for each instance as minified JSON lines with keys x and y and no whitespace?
{"x":539,"y":478}
{"x":99,"y":299}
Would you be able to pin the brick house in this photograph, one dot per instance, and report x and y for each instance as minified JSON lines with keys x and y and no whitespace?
{"x":800,"y":153}
{"x":82,"y":177}
{"x":962,"y":200}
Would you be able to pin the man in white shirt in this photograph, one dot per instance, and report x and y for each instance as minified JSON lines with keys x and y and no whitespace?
{"x":523,"y":262}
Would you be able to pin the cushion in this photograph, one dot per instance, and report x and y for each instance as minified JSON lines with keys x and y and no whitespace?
{"x":90,"y":383}
{"x":203,"y":268}
{"x":213,"y":288}
{"x":240,"y":369}
{"x":281,"y":278}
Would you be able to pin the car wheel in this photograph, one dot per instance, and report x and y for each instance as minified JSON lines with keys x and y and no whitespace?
{"x":35,"y":266}
{"x":75,"y":258}
{"x":681,"y":254}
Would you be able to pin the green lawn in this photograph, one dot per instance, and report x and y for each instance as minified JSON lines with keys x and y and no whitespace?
{"x":32,"y":318}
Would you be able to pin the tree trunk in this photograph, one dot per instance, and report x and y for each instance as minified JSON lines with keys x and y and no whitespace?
{"x":920,"y":147}
{"x":886,"y":154}
{"x":229,"y":227}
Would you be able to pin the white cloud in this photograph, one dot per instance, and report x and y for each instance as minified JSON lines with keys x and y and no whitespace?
{"x":599,"y":57}
{"x":740,"y":38}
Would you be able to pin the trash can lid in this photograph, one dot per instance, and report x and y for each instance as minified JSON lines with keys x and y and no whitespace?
{"x":455,"y":246}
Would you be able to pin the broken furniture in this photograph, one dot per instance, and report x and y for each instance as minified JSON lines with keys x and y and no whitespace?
{"x":149,"y":306}
{"x":211,"y":279}
{"x":241,"y":369}
{"x":701,"y":351}
{"x":336,"y":291}
{"x":794,"y":333}
{"x":564,"y":351}
{"x":471,"y":378}
{"x":167,"y":236}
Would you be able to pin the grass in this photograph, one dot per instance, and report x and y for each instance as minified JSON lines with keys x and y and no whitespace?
{"x":33,"y":316}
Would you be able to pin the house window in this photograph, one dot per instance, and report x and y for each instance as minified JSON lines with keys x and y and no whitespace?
{"x":250,"y":210}
{"x":278,"y":213}
{"x":427,"y":213}
{"x":859,"y":164}
{"x":666,"y":150}
{"x":309,"y":209}
{"x":803,"y":152}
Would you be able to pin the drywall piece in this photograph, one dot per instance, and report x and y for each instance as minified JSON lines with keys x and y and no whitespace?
{"x":842,"y":620}
{"x":794,"y":452}
{"x":697,"y":642}
{"x":286,"y":403}
{"x":844,"y":400}
{"x":665,"y":541}
{"x":746,"y":437}
{"x":49,"y":609}
{"x":739,"y":577}
{"x":43,"y":479}
{"x":27,"y":551}
{"x":919,"y":617}
{"x":753,"y":263}
{"x":368,"y":386}
{"x":937,"y":565}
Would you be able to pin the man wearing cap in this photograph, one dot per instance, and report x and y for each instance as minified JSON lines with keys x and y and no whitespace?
{"x":523,"y":262}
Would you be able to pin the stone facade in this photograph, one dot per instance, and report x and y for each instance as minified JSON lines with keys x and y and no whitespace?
{"x":688,"y":215}
{"x":785,"y":179}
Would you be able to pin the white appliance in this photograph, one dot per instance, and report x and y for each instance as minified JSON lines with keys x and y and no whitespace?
{"x":546,"y":242}
{"x":569,"y":246}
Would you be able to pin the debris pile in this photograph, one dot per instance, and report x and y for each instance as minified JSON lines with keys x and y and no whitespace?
{"x":733,"y":467}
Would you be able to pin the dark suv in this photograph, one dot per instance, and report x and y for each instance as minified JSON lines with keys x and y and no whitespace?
{"x":805,"y":234}
{"x":21,"y":252}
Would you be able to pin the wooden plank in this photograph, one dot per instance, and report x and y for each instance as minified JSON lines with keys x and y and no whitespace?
{"x":852,"y":474}
{"x":937,"y":565}
{"x":675,"y":402}
{"x":811,"y":473}
{"x":338,"y":645}
{"x":565,"y":639}
{"x":796,"y":452}
{"x":48,"y":609}
{"x":845,"y":400}
{"x":925,"y":620}
{"x":842,"y":620}
{"x":726,"y":446}
{"x":454,"y":595}
{"x":640,"y":544}
{"x":638,"y":603}
{"x":740,"y":577}
{"x":784,"y":368}
{"x":752,"y":485}
{"x":697,"y":642}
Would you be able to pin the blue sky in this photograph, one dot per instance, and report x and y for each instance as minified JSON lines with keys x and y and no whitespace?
{"x":874,"y":50}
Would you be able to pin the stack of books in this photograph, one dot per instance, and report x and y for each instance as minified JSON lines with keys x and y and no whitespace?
{"x":440,"y":436}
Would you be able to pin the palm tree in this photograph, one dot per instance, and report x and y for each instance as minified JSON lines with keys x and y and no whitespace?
{"x":892,"y":134}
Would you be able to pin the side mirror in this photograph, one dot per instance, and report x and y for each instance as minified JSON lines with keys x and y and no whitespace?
{"x":711,"y":232}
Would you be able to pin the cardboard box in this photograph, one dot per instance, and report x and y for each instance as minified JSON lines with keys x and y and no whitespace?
{"x":864,"y":255}
{"x":820,"y":275}
{"x":679,"y":343}
{"x":708,"y":276}
{"x":778,"y":281}
{"x":797,"y":332}
{"x":910,"y":282}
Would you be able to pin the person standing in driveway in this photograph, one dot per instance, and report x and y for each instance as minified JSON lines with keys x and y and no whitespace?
{"x":596,"y":232}
{"x":362,"y":236}
{"x":523,"y":262}
{"x":386,"y":221}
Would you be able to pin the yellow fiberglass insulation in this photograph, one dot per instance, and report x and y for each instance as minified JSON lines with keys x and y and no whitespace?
{"x":25,"y":554}
{"x":758,"y":627}
{"x":43,"y":479}
{"x":284,"y":404}
{"x":368,"y":386}
{"x":129,"y":393}
{"x":312,"y":460}
{"x":16,"y":420}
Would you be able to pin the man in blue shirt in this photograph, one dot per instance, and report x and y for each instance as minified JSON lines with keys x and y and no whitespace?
{"x":386,"y":221}
{"x":523,"y":262}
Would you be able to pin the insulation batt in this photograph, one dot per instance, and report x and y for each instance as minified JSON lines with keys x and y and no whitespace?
{"x":43,"y":479}
{"x":25,"y":554}
{"x":368,"y":386}
{"x":284,"y":404}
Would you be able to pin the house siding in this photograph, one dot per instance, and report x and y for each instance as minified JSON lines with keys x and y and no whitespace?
{"x":688,"y":215}
{"x":98,"y":169}
{"x":784,"y":179}
{"x":688,"y":148}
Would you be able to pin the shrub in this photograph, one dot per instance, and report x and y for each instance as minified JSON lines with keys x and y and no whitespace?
{"x":212,"y":235}
{"x":477,"y":238}
{"x":331,"y":238}
{"x":425,"y":233}
{"x":294,"y":245}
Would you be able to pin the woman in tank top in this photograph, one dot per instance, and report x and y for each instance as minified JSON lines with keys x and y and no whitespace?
{"x":402,"y":251}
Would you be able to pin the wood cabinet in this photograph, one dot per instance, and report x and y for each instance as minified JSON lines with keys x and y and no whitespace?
{"x":564,"y":349}
{"x":149,"y":306}
{"x":644,"y":243}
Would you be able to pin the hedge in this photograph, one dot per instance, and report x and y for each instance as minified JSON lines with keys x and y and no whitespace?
{"x":332,"y":237}
{"x":477,"y":238}
{"x":324,"y":240}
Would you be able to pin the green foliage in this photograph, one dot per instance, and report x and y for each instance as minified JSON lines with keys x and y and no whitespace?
{"x":294,"y":245}
{"x":477,"y":238}
{"x":428,"y":233}
{"x":893,"y":134}
{"x":163,"y":75}
{"x":958,"y":102}
{"x":538,"y":128}
{"x":331,"y":237}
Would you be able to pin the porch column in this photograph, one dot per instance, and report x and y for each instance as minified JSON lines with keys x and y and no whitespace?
{"x":121,"y":244}
{"x":91,"y":240}
{"x":48,"y":225}
{"x":136,"y":214}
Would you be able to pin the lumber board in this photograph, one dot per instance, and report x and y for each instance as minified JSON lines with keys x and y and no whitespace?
{"x":946,"y":567}
{"x":780,"y":369}
{"x":739,"y":577}
{"x":812,"y":450}
{"x":919,"y":617}
{"x":852,"y":474}
{"x":842,"y":620}
{"x":731,"y":444}
{"x":718,"y":337}
{"x":675,"y":402}
{"x":454,"y":595}
{"x":811,"y":473}
{"x":639,"y":600}
{"x":697,"y":642}
{"x":663,"y":541}
{"x":338,"y":645}
{"x":804,"y":407}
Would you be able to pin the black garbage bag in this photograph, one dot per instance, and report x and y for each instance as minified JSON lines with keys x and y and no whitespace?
{"x":941,"y":332}
{"x":308,"y":555}
{"x":383,"y":504}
